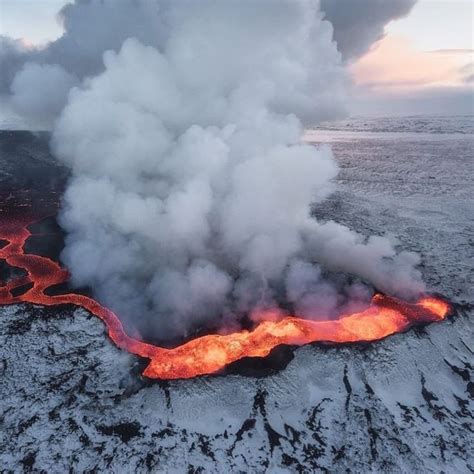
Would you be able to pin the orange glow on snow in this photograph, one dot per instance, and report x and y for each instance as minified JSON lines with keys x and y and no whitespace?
{"x":208,"y":354}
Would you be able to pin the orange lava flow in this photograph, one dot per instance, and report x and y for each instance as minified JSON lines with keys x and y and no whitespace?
{"x":211,"y":353}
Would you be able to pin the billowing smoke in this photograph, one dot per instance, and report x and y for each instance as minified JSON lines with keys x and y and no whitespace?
{"x":92,"y":27}
{"x":359,"y":23}
{"x":40,"y":91}
{"x":191,"y":191}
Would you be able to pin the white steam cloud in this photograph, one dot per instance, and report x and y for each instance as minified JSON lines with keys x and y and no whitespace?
{"x":191,"y":188}
{"x":92,"y":27}
{"x":40,"y":91}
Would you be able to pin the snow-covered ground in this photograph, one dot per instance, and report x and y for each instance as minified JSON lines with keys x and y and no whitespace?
{"x":70,"y":399}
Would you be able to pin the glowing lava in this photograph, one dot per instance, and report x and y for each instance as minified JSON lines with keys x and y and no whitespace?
{"x":207,"y":354}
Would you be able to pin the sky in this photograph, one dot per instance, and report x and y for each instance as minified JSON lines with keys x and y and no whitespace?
{"x":424,"y":64}
{"x":33,"y":20}
{"x":424,"y":58}
{"x":437,"y":24}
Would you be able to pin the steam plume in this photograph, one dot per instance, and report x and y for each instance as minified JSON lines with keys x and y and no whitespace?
{"x":92,"y":27}
{"x":191,"y":190}
{"x":359,"y":23}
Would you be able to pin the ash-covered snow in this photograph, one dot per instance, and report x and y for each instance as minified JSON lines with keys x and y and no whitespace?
{"x":414,"y":124}
{"x":69,"y":399}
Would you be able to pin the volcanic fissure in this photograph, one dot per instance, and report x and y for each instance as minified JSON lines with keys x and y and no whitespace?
{"x":210,"y":353}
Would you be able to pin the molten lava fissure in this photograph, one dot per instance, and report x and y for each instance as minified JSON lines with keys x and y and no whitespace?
{"x":211,"y":353}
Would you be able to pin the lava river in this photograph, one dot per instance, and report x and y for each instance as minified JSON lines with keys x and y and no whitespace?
{"x":211,"y":353}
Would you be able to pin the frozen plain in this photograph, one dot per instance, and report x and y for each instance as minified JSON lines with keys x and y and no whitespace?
{"x":70,"y":399}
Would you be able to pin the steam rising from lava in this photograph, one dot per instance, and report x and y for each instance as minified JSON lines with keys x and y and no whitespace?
{"x":208,"y":354}
{"x":191,"y":193}
{"x":35,"y":80}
